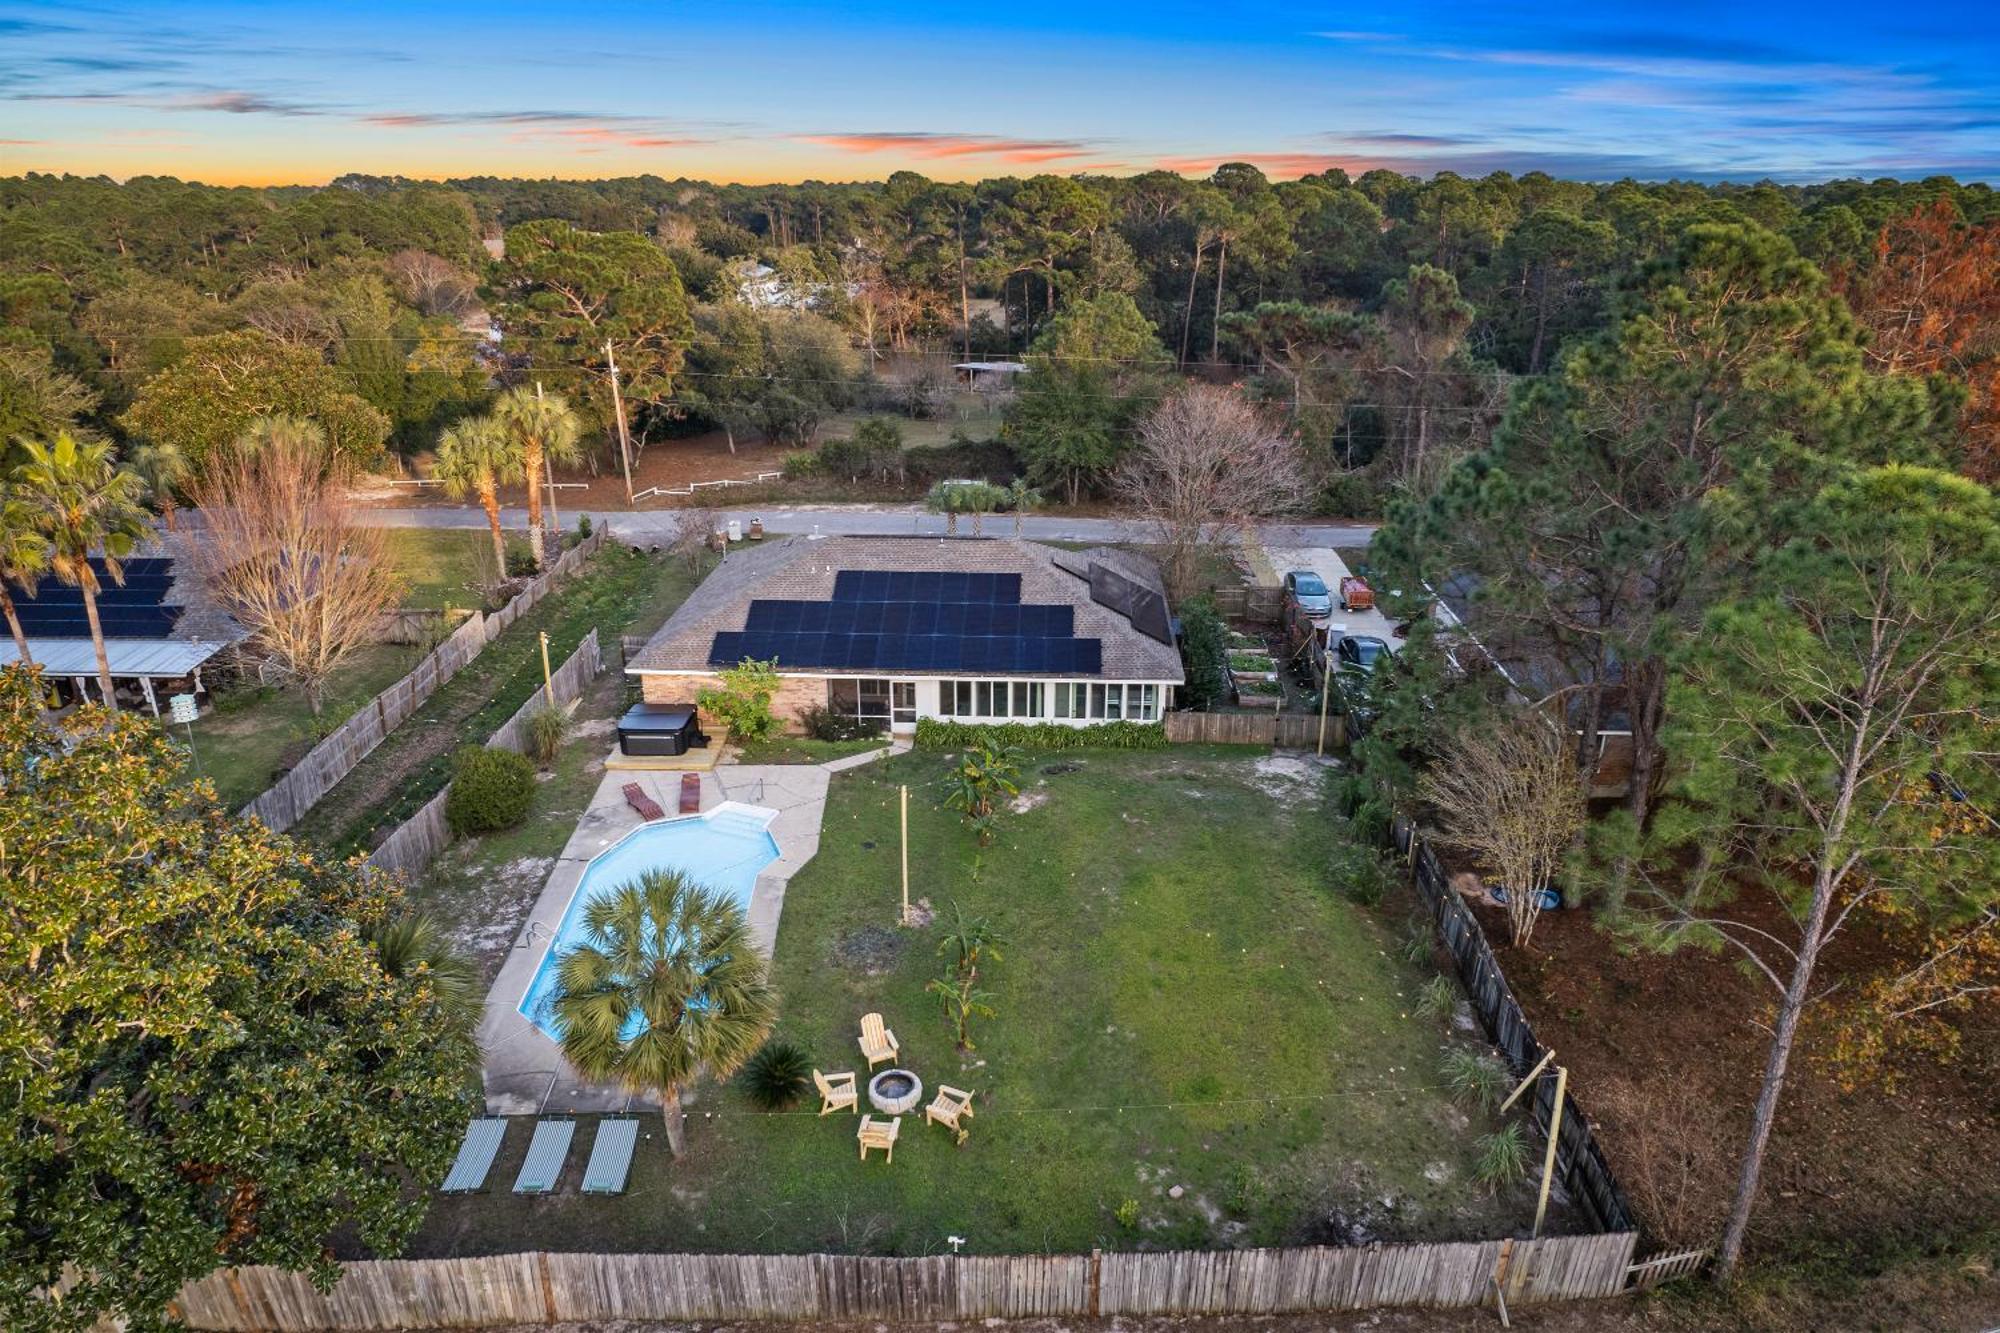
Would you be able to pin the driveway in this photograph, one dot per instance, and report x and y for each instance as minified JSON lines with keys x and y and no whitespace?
{"x":1323,"y":560}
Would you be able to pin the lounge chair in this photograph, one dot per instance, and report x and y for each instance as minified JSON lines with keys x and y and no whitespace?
{"x":611,"y":1156}
{"x":648,"y":808}
{"x":879,"y":1134}
{"x":690,"y":793}
{"x":836,"y":1092}
{"x":948,"y":1108}
{"x":548,"y":1151}
{"x":877,"y":1042}
{"x":475,"y":1156}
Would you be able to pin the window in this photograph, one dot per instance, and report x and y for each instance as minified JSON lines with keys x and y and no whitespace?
{"x":1064,"y":708}
{"x":1027,"y":698}
{"x":867,"y":699}
{"x":1144,"y":701}
{"x":955,"y":698}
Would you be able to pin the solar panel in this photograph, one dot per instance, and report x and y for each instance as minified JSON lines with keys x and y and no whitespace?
{"x":879,"y":585}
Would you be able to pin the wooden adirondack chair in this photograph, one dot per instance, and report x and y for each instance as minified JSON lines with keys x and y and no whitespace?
{"x":949,"y":1108}
{"x":877,"y":1042}
{"x":879,"y":1134}
{"x":836,"y":1092}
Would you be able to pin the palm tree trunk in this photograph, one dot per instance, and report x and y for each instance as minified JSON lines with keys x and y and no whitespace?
{"x":1187,"y":312}
{"x":675,"y":1120}
{"x":532,"y":466}
{"x":489,"y":500}
{"x":14,"y":628}
{"x":1215,"y":321}
{"x":97,"y":641}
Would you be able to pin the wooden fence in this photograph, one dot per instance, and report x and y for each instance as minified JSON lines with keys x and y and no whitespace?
{"x":1295,"y":731}
{"x":1580,"y":1164}
{"x":423,"y":835}
{"x":544,"y":1288}
{"x":286,"y":801}
{"x":1266,"y":605}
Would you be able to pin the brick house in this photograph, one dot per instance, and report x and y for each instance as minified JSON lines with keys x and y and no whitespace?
{"x":891,"y":629}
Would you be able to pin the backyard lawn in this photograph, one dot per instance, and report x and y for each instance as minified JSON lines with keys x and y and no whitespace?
{"x":443,"y":567}
{"x":1197,"y":1040}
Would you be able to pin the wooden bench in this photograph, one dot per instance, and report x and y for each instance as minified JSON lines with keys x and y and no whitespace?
{"x":648,"y":808}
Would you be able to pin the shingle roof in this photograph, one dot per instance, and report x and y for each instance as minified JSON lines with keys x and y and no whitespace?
{"x":803,"y":569}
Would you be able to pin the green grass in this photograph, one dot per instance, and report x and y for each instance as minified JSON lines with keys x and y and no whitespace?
{"x":443,"y":567}
{"x":1183,"y":999}
{"x":618,"y":589}
{"x":256,"y":732}
{"x":804,"y":749}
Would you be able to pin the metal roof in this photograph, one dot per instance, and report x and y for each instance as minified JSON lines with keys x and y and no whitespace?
{"x":161,"y":659}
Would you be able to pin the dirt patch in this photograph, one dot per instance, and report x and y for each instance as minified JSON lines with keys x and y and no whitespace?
{"x":871,"y":950}
{"x":1028,"y":800}
{"x":1057,"y":770}
{"x":1287,"y":778}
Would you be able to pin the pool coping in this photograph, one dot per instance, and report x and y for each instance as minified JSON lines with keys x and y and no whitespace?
{"x":524,"y":1072}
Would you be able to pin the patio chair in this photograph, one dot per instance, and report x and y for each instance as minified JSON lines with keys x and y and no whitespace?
{"x":836,"y":1092}
{"x":611,"y":1156}
{"x":879,"y":1134}
{"x":948,"y":1108}
{"x":877,"y":1042}
{"x":690,"y":793}
{"x":475,"y":1156}
{"x":648,"y":808}
{"x":547,"y":1153}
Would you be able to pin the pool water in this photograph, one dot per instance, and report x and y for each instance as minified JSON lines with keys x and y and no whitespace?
{"x":724,"y":848}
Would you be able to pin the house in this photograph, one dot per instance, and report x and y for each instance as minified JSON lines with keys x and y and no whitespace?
{"x":893,"y":629}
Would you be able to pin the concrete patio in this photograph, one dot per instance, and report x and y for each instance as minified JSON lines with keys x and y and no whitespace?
{"x":525,"y":1073}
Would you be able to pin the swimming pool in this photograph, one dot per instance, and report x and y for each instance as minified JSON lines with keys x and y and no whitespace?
{"x":723,"y":848}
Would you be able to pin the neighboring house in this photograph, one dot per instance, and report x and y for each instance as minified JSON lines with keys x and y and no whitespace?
{"x":892,"y":629}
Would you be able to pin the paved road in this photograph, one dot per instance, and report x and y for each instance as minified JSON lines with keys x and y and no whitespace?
{"x":864,"y":520}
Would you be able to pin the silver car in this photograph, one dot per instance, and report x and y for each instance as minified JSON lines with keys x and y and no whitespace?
{"x":1309,"y":591}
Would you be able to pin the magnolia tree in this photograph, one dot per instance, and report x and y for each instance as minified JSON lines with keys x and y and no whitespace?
{"x":1205,"y":464}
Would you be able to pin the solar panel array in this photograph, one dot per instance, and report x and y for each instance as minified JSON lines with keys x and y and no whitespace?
{"x":914,"y":620}
{"x":134,"y":609}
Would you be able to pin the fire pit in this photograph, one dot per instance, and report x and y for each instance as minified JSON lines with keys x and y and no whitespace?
{"x":895,"y":1091}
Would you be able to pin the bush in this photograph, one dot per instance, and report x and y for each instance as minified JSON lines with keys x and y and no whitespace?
{"x":873,"y":452}
{"x":583,"y":528}
{"x":823,"y":724}
{"x":983,"y":460}
{"x":777,"y":1076}
{"x":1437,"y":997}
{"x":490,"y":790}
{"x":1475,"y":1077}
{"x":1205,"y":649}
{"x":1127,"y":1214}
{"x":547,"y":728}
{"x":743,"y":701}
{"x":934,"y":734}
{"x":1503,"y":1157}
{"x":520,"y":562}
{"x":799,"y":464}
{"x":1361,"y":872}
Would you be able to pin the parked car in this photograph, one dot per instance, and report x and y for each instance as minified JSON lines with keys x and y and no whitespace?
{"x":1359,"y":652}
{"x":1355,"y":594}
{"x":1307,"y":591}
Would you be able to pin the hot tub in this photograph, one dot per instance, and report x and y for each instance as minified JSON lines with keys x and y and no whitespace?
{"x":659,"y":729}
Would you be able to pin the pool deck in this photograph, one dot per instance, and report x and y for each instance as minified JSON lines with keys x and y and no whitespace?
{"x":525,"y":1073}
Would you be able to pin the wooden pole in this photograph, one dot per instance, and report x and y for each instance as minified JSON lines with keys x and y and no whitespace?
{"x":906,"y":855}
{"x":618,"y":408}
{"x":1523,"y":1085}
{"x":1325,"y":691}
{"x":548,"y":681}
{"x":1549,"y":1158}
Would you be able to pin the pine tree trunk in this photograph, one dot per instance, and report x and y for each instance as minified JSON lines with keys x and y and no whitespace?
{"x":675,"y":1121}
{"x":489,"y":500}
{"x":1187,"y":312}
{"x":97,"y":642}
{"x":14,"y":627}
{"x":532,"y":466}
{"x":1215,"y":321}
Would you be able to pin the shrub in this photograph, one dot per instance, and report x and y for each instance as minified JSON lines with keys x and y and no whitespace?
{"x":777,"y":1076}
{"x":1204,"y":646}
{"x":1503,"y":1157}
{"x":936,"y":734}
{"x":520,"y":562}
{"x":583,"y":528}
{"x":1127,"y":1214}
{"x":823,"y":724}
{"x":799,"y":464}
{"x":743,"y":701}
{"x":873,"y":451}
{"x":547,"y":728}
{"x":1361,"y":872}
{"x":1436,"y":998}
{"x":1475,"y":1076}
{"x":490,"y":789}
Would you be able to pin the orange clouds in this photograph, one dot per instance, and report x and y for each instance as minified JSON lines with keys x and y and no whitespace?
{"x":937,"y":146}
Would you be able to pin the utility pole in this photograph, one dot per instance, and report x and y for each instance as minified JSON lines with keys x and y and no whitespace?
{"x":554,"y":524}
{"x":618,"y":409}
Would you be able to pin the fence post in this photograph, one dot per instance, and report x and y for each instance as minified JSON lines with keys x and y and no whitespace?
{"x":1096,"y":1281}
{"x":548,"y":1286}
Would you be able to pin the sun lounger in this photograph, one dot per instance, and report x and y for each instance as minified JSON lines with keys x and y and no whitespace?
{"x":547,"y":1152}
{"x":475,"y":1156}
{"x":836,"y":1092}
{"x":611,"y":1156}
{"x":690,"y":793}
{"x":879,"y":1134}
{"x":648,"y":808}
{"x":877,"y":1042}
{"x":950,"y":1106}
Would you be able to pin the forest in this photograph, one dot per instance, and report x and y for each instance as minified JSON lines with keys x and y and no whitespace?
{"x":1386,"y":320}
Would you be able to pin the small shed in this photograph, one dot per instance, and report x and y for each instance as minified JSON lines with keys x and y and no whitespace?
{"x":990,"y":374}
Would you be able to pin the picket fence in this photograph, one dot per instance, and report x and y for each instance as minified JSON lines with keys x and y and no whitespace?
{"x":1580,"y":1164}
{"x":1292,"y":731}
{"x":418,"y":840}
{"x":286,"y":801}
{"x":545,"y":1288}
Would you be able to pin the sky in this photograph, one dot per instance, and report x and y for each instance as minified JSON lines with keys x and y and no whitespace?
{"x":276,"y":92}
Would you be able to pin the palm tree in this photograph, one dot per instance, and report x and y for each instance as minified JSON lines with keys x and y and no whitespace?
{"x":546,"y":431}
{"x":162,"y":467}
{"x":81,"y":501}
{"x":415,"y":945}
{"x":24,"y":555}
{"x":474,"y":455}
{"x":665,"y":984}
{"x":1021,"y":497}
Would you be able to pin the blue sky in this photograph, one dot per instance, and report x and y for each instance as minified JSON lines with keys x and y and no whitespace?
{"x":280,"y":92}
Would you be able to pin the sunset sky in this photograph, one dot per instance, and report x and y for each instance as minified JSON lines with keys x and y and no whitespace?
{"x":246,"y":93}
